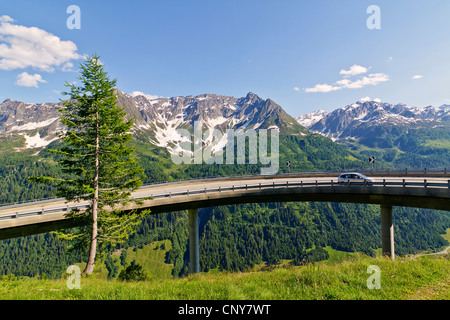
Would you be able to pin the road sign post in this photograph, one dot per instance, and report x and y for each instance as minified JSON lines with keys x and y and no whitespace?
{"x":372,"y":161}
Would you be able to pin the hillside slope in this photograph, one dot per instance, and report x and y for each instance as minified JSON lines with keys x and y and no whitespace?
{"x":244,"y":235}
{"x":424,"y":278}
{"x":397,"y":135}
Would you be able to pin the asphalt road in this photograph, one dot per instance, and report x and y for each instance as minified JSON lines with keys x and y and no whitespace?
{"x":212,"y":185}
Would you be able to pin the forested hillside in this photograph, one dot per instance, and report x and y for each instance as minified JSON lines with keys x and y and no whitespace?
{"x":15,"y":168}
{"x":232,"y":237}
{"x":405,"y":147}
{"x":398,"y":136}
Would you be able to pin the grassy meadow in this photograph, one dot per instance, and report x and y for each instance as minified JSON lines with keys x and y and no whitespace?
{"x":416,"y":278}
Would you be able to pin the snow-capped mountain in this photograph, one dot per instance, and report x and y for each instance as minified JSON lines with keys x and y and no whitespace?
{"x":163,"y":116}
{"x":309,"y":119}
{"x":354,"y":121}
{"x":37,"y":123}
{"x":157,"y":117}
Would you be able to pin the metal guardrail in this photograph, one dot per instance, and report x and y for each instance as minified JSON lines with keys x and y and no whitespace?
{"x":35,"y":212}
{"x":405,"y":172}
{"x":261,"y":186}
{"x":332,"y":183}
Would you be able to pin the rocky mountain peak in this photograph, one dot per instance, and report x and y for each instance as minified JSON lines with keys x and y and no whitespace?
{"x":158,"y":118}
{"x":354,"y":120}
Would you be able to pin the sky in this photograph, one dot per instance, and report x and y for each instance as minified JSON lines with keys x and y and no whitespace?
{"x":304,"y":55}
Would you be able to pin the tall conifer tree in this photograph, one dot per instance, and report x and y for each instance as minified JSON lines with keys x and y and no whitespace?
{"x":99,"y":163}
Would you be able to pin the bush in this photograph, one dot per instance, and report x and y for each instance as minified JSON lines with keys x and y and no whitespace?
{"x":8,"y":277}
{"x":312,"y":256}
{"x":317,"y":254}
{"x":134,"y":272}
{"x":111,"y":267}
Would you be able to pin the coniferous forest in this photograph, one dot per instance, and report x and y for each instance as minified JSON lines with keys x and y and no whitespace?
{"x":232,"y":238}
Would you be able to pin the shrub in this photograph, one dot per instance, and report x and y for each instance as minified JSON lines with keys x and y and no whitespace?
{"x":134,"y":272}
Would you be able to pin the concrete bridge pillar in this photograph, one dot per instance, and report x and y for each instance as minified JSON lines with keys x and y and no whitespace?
{"x":387,"y":231}
{"x":194,"y":255}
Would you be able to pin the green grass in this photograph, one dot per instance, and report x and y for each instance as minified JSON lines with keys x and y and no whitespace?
{"x":337,"y":256}
{"x":426,"y":277}
{"x":151,"y":257}
{"x":8,"y":143}
{"x":446,"y":236}
{"x":441,"y":144}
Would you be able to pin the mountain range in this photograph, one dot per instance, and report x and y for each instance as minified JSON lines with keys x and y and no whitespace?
{"x":235,"y":237}
{"x":354,"y":121}
{"x":159,"y":118}
{"x":397,"y":134}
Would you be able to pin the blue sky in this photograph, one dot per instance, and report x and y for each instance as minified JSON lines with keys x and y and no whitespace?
{"x":304,"y":55}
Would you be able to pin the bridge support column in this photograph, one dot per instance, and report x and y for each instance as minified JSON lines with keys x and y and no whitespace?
{"x":194,"y":255}
{"x":387,"y":232}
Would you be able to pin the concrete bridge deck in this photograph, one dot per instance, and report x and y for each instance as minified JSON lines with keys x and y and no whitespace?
{"x":421,"y":191}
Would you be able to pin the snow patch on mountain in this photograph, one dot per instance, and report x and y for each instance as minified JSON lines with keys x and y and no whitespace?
{"x":309,"y":119}
{"x":32,"y":125}
{"x":37,"y":141}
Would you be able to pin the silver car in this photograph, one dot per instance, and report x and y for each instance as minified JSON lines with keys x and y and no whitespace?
{"x":354,"y":177}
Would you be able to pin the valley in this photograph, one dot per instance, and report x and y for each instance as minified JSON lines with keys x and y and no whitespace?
{"x":232,"y":238}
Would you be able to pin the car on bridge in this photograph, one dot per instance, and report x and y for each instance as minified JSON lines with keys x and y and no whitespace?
{"x":354,"y":177}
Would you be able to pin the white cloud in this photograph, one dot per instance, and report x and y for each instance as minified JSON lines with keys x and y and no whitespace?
{"x":372,"y":79}
{"x":389,"y":59}
{"x":323,"y":88}
{"x":5,"y":18}
{"x":23,"y":47}
{"x":344,"y":82}
{"x":296,"y":89}
{"x":417,"y":76}
{"x":353,"y":71}
{"x":29,"y":80}
{"x":148,"y":96}
{"x":67,"y":67}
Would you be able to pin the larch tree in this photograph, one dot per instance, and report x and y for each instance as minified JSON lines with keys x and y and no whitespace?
{"x":99,"y":163}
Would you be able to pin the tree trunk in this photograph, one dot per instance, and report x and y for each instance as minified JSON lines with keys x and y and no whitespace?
{"x":94,"y":234}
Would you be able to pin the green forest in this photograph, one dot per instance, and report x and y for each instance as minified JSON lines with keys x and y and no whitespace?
{"x":232,"y":238}
{"x":404,"y":147}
